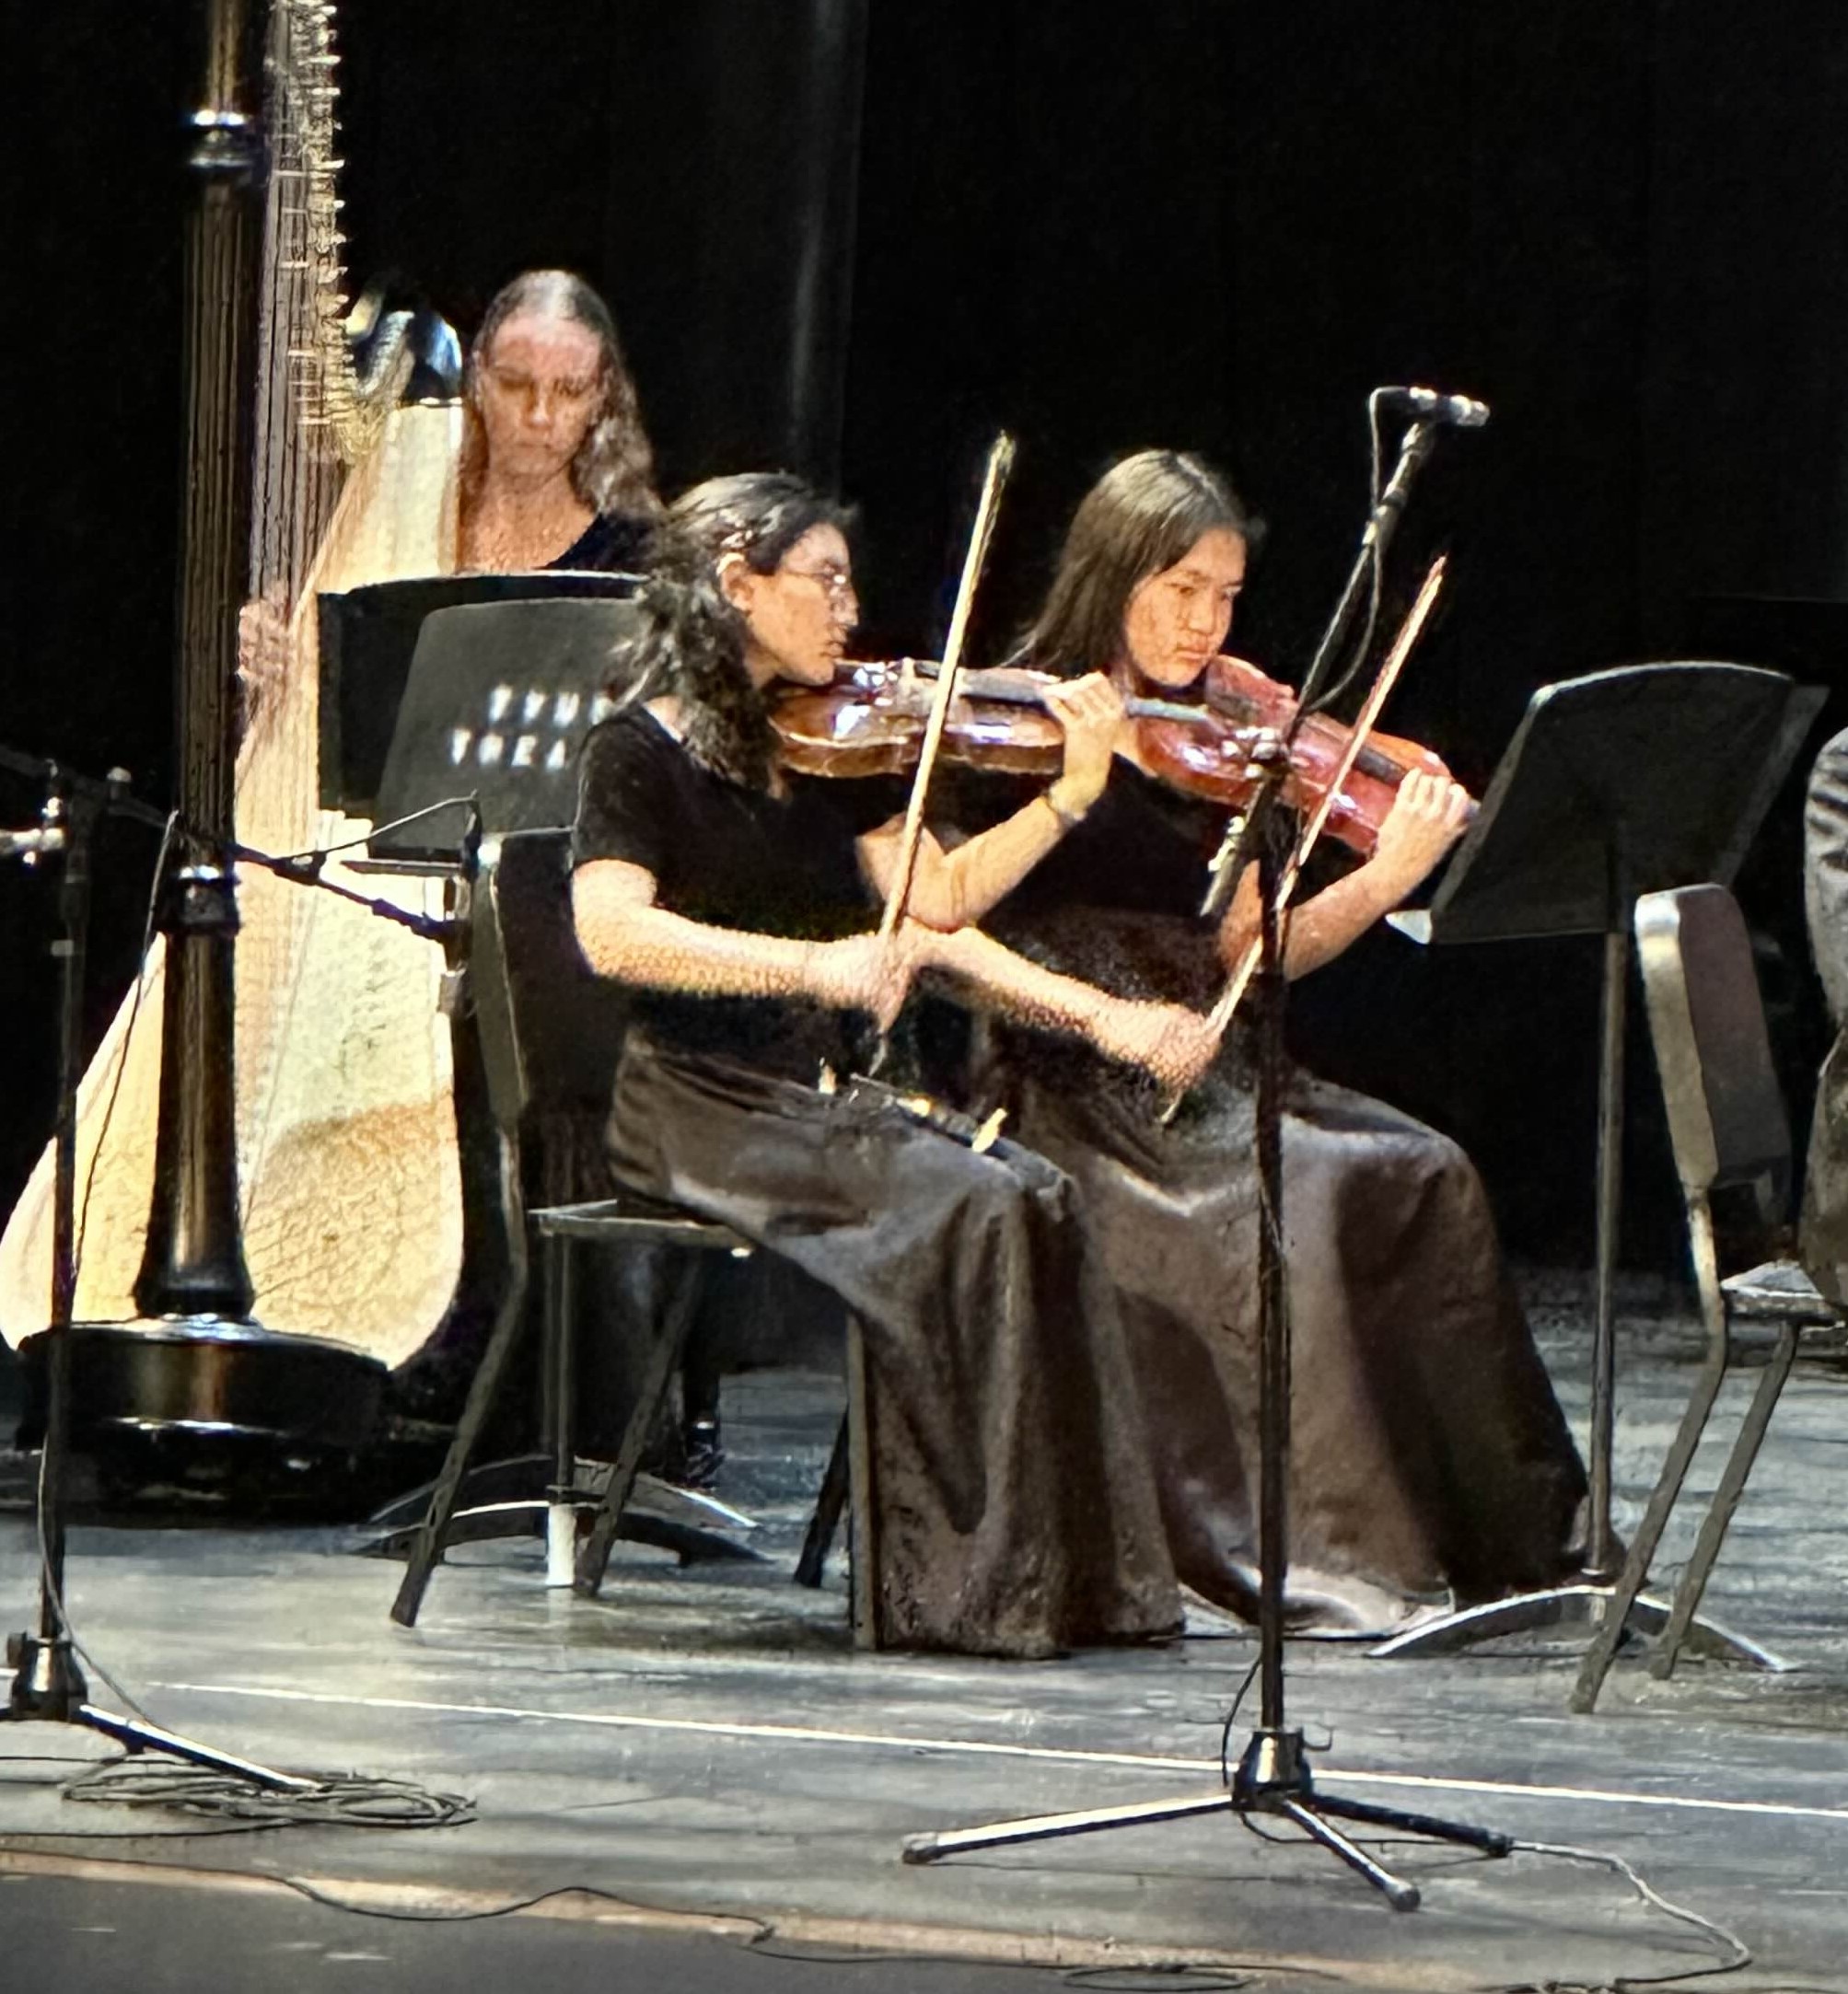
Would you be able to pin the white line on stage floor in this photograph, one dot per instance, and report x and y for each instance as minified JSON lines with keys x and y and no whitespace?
{"x":990,"y":1748}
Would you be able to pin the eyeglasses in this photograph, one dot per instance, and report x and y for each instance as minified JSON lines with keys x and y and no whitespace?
{"x":836,"y":582}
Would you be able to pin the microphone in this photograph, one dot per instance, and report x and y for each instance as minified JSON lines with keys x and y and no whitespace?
{"x":1458,"y":410}
{"x":30,"y":843}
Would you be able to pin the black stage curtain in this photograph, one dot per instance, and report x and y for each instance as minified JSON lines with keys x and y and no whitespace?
{"x":697,"y":161}
{"x":839,"y":234}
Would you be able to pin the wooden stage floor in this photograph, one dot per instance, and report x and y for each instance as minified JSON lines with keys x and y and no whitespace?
{"x":702,"y":1750}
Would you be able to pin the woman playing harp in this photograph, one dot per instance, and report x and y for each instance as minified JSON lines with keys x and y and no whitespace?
{"x":347,"y":1148}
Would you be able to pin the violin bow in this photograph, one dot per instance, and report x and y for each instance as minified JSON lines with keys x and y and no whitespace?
{"x":898,"y":894}
{"x":1220,"y":1016}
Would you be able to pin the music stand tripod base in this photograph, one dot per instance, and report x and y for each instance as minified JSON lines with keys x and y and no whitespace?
{"x":1273,"y":1779}
{"x":1568,"y":1606}
{"x":1611,"y":788}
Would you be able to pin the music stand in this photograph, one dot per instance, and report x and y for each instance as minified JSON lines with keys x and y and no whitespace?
{"x":1616,"y":784}
{"x":368,"y":637}
{"x":499,"y":698}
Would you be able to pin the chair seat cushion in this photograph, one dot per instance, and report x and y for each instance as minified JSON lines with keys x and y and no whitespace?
{"x":633,"y":1217}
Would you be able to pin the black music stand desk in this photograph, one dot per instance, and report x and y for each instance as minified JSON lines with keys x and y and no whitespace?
{"x":368,"y":636}
{"x":497,"y":700}
{"x":1616,"y":784}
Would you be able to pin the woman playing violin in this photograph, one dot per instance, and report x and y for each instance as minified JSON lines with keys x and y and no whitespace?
{"x":1429,"y":1452}
{"x":1017,"y":1510}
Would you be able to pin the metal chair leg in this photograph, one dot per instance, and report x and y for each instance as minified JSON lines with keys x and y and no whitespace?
{"x":826,"y":1519}
{"x":1602,"y":1651}
{"x":864,"y":1570}
{"x":561,"y":1317}
{"x":1635,"y":1573}
{"x":593,"y":1559}
{"x":1719,"y":1516}
{"x":426,"y":1550}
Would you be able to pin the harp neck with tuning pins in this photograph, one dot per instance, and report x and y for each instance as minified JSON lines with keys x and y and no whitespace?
{"x":348,"y":1181}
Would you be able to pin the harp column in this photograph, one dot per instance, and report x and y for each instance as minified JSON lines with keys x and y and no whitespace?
{"x":194,"y":1265}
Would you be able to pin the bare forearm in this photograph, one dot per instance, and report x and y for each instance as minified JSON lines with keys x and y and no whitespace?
{"x":1173,"y":1045}
{"x":1323,"y":927}
{"x":966,"y":883}
{"x":659,"y":950}
{"x":955,"y":888}
{"x":1014,"y":985}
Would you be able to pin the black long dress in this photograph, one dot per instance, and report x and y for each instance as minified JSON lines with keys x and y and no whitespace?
{"x":1016,"y":1514}
{"x":1429,"y":1452}
{"x":1825,"y":894}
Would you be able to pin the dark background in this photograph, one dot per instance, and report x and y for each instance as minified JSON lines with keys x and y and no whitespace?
{"x":856,"y":239}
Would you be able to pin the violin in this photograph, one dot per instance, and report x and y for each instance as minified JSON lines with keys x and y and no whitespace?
{"x":871,"y":722}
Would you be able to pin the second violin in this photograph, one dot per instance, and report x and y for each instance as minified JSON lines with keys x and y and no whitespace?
{"x":871,"y":722}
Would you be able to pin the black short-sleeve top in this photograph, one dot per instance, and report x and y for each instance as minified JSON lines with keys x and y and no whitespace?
{"x":614,"y":543}
{"x":1117,"y":900}
{"x":1115,"y":903}
{"x":729,"y":857}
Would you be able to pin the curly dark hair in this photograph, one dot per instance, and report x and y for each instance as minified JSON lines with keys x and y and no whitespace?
{"x":1140,"y":517}
{"x":614,"y":468}
{"x":691,"y":640}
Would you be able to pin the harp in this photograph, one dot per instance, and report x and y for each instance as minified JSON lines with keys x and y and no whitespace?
{"x":349,"y":1181}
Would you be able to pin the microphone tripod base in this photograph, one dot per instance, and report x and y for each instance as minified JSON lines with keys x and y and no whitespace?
{"x":49,"y":1688}
{"x":1273,"y":1779}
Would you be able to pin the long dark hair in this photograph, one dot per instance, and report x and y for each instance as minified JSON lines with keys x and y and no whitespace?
{"x":614,"y":468}
{"x":691,"y":642}
{"x":1140,"y":517}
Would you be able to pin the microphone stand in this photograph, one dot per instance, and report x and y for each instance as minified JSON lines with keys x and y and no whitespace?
{"x":1272,"y":1774}
{"x":48,"y":1685}
{"x":1242,"y":833}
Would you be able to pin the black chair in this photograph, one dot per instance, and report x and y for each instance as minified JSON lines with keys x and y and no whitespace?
{"x":1727,"y":1129}
{"x":550,"y":1031}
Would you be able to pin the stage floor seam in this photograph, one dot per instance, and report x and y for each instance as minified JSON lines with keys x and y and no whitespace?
{"x":990,"y":1748}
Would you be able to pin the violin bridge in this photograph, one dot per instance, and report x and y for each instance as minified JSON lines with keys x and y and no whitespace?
{"x":1235,"y":833}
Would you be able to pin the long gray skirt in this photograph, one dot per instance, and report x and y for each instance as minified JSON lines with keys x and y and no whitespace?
{"x":1017,"y":1512}
{"x":1428,"y":1453}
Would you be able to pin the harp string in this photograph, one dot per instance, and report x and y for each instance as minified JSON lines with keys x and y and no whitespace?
{"x":317,"y":418}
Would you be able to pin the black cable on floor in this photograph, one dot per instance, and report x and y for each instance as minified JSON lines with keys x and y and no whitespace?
{"x":1741,"y":1952}
{"x":335,"y":1800}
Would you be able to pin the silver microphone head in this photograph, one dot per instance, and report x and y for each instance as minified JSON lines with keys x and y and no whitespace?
{"x":1431,"y":405}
